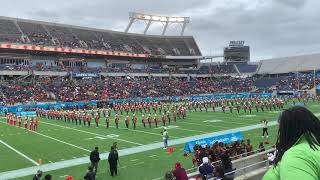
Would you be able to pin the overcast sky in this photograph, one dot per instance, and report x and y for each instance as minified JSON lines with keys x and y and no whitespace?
{"x":273,"y":28}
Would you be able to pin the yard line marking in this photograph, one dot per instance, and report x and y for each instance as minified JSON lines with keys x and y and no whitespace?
{"x":122,"y":152}
{"x":201,"y":124}
{"x":133,"y":160}
{"x":192,"y":130}
{"x":92,"y":133}
{"x":153,"y":155}
{"x":62,"y":141}
{"x":57,"y":140}
{"x":138,"y":163}
{"x":20,"y":153}
{"x":143,"y":131}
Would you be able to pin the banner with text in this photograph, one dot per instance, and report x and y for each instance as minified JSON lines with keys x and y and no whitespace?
{"x":225,"y":138}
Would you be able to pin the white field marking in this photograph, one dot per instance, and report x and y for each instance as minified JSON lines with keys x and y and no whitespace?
{"x":168,"y":127}
{"x":274,"y":112}
{"x":62,"y":141}
{"x":57,"y":140}
{"x":63,"y":176}
{"x":133,"y":160}
{"x":122,"y":167}
{"x":20,"y":153}
{"x":138,"y":163}
{"x":153,"y":155}
{"x":248,"y":116}
{"x":92,"y":133}
{"x":199,"y":124}
{"x":191,"y":130}
{"x":62,"y":159}
{"x":144,"y":132}
{"x":213,"y":121}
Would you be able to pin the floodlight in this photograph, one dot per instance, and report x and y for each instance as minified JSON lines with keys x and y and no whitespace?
{"x":153,"y":18}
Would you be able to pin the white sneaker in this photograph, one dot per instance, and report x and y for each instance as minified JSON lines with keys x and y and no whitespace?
{"x":267,"y":136}
{"x":164,"y":148}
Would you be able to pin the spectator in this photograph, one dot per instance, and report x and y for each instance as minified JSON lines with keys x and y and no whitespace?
{"x":179,"y":172}
{"x":226,"y":163}
{"x":206,"y":169}
{"x":113,"y":161}
{"x":90,"y":175}
{"x":48,"y":177}
{"x":298,"y":146}
{"x":219,"y":173}
{"x":95,"y":158}
{"x":38,"y":175}
{"x":169,"y":176}
{"x":261,"y":147}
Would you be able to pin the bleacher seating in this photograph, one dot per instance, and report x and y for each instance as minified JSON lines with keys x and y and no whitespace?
{"x":266,"y":82}
{"x":49,"y":34}
{"x":247,"y":68}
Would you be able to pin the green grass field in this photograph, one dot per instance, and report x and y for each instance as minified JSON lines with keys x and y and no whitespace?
{"x":57,"y":141}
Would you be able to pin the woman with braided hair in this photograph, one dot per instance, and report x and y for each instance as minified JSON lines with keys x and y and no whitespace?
{"x":298,"y":150}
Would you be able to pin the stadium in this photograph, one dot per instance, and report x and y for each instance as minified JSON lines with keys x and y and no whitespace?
{"x":67,"y":89}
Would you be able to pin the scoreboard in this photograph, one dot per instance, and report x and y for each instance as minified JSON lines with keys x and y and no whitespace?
{"x":236,"y":52}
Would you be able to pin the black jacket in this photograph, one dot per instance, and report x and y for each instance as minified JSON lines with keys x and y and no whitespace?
{"x":206,"y":169}
{"x":113,"y":158}
{"x":94,"y":156}
{"x":89,"y":176}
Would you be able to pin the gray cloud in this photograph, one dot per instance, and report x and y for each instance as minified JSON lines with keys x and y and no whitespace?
{"x":272,"y":28}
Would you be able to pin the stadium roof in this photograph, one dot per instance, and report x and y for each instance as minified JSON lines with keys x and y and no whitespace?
{"x":290,"y":64}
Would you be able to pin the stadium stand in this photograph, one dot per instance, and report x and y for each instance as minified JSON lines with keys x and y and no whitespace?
{"x":49,"y":34}
{"x":247,"y":68}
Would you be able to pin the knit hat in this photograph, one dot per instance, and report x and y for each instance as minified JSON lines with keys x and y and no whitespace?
{"x":205,"y":160}
{"x":178,"y":165}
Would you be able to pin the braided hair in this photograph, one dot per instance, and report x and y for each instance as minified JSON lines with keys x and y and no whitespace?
{"x":293,"y":123}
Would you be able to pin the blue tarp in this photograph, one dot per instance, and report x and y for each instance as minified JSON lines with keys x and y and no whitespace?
{"x":225,"y":138}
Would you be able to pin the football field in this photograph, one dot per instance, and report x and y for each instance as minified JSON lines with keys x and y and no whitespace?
{"x":64,"y":147}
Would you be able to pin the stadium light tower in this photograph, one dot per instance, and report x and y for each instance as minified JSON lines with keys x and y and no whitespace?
{"x":149,"y":19}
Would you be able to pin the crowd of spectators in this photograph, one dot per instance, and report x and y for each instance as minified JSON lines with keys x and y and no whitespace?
{"x":66,"y":89}
{"x":38,"y":66}
{"x":72,"y":37}
{"x":215,"y":160}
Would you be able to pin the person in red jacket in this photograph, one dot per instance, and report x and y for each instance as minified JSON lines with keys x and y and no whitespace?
{"x":179,"y":172}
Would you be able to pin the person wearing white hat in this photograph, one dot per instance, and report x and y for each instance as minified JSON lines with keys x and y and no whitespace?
{"x":206,"y":169}
{"x":165,"y":138}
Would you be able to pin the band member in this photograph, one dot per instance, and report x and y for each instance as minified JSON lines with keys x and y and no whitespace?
{"x":26,"y":123}
{"x":35,"y":125}
{"x":19,"y":121}
{"x":156,"y":120}
{"x":89,"y":120}
{"x":117,"y":121}
{"x":238,"y":108}
{"x":97,"y":120}
{"x":149,"y":120}
{"x":104,"y":112}
{"x":230,"y":109}
{"x":127,"y":122}
{"x":163,"y":118}
{"x":169,"y":117}
{"x":223,"y":109}
{"x":107,"y":121}
{"x":31,"y":125}
{"x":134,"y":121}
{"x":143,"y":120}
